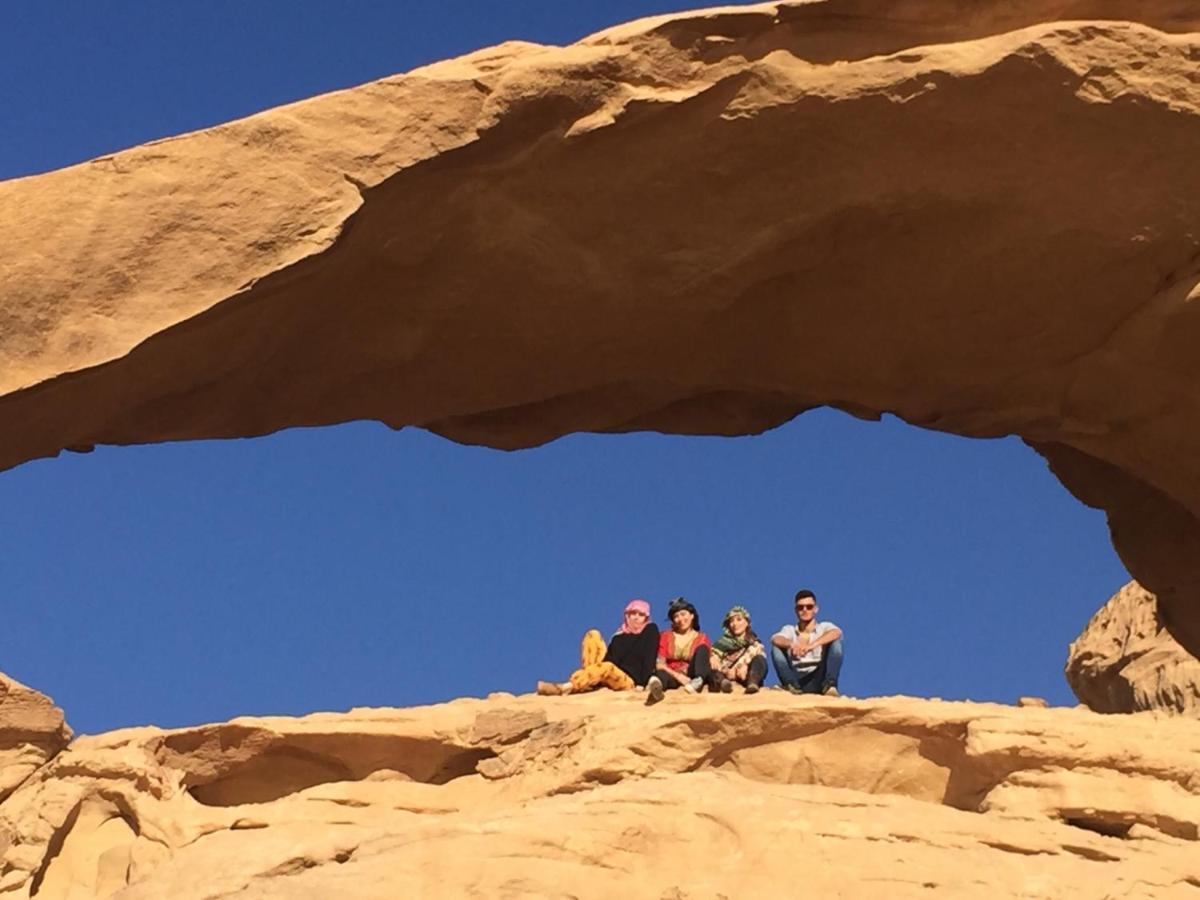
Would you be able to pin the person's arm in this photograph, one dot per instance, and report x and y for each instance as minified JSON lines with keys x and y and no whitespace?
{"x":661,"y":661}
{"x":804,"y":643}
{"x":826,"y":637}
{"x":782,"y":639}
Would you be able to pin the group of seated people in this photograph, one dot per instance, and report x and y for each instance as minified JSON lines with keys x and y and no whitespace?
{"x":806,"y":656}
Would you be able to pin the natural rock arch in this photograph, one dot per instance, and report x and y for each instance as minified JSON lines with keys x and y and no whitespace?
{"x":980,"y":220}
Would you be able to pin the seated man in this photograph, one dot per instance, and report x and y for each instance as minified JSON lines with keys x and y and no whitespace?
{"x":808,"y":655}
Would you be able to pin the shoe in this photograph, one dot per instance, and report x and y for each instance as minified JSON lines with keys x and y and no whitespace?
{"x":830,"y":690}
{"x":726,"y":686}
{"x":654,"y":690}
{"x":548,"y":689}
{"x":752,"y":688}
{"x":695,"y":686}
{"x":793,"y":689}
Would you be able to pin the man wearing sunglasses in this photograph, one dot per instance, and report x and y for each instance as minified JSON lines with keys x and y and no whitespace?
{"x":808,"y":655}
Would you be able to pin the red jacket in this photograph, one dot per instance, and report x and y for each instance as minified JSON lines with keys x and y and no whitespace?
{"x":666,"y":643}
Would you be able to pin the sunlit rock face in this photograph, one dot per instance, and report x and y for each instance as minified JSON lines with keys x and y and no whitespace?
{"x":32,"y":731}
{"x":984,"y":218}
{"x":1124,"y":661}
{"x":599,"y":796}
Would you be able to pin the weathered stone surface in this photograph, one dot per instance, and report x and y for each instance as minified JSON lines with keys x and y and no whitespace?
{"x":32,"y":730}
{"x":895,"y":796}
{"x":984,"y":218}
{"x":1124,"y":661}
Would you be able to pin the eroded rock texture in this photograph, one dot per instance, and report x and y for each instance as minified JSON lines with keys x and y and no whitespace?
{"x":597,"y":796}
{"x":983,"y":217}
{"x":32,"y":731}
{"x":1124,"y":661}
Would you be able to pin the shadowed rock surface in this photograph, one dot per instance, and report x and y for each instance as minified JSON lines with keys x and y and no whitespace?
{"x":1124,"y":661}
{"x":598,"y":796}
{"x":982,"y":217}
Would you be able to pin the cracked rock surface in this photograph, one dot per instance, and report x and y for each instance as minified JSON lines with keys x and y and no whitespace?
{"x":1125,"y":661}
{"x":32,"y":731}
{"x":983,"y":218}
{"x":598,"y":796}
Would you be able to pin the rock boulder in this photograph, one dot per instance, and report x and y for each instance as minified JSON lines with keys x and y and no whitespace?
{"x":32,"y":731}
{"x":1125,"y":661}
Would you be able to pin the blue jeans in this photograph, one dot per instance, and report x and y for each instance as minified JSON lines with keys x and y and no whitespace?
{"x":813,"y":681}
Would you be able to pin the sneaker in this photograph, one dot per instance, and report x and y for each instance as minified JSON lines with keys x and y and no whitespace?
{"x":793,"y":689}
{"x":548,"y":689}
{"x":694,"y":686}
{"x":654,"y":690}
{"x":752,"y":688}
{"x":726,"y":686}
{"x":830,"y":690}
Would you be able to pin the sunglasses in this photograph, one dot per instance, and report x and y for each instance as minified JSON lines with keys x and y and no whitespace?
{"x":806,"y":606}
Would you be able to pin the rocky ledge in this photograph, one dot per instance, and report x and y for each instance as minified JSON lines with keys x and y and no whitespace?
{"x":600,"y":796}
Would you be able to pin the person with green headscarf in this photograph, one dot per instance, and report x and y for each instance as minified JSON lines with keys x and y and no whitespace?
{"x":738,"y":655}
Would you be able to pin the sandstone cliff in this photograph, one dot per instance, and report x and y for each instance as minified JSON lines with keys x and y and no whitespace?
{"x":1124,"y":661}
{"x":983,"y":217}
{"x":597,"y":796}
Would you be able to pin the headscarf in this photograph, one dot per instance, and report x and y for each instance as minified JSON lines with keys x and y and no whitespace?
{"x":728,"y":642}
{"x":635,"y":606}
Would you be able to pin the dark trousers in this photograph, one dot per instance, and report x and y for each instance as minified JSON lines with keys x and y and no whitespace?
{"x":699,"y":667}
{"x":757,"y":671}
{"x":812,"y":682}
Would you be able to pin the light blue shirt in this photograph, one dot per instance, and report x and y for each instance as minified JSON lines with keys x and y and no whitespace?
{"x":806,"y":662}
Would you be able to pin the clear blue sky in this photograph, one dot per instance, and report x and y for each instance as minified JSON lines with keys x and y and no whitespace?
{"x":330,"y":568}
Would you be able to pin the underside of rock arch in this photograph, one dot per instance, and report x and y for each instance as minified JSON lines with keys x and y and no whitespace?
{"x":981,"y":217}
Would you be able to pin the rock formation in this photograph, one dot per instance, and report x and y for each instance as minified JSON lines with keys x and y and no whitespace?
{"x":982,"y":217}
{"x":1124,"y":661}
{"x":598,"y":796}
{"x":32,"y":731}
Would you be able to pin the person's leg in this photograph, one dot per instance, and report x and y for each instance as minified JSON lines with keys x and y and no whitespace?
{"x":831,"y":663}
{"x":783,"y":668}
{"x":668,"y":679}
{"x":809,"y":682}
{"x":592,"y":650}
{"x":586,"y":679}
{"x":756,"y":674}
{"x":701,"y":667}
{"x":613,"y":678}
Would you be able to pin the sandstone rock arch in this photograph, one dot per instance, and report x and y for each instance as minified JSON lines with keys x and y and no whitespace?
{"x":984,"y":218}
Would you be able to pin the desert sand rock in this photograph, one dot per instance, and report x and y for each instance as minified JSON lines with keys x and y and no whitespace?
{"x":32,"y":731}
{"x":598,"y":796}
{"x":983,"y":218}
{"x":1124,"y":661}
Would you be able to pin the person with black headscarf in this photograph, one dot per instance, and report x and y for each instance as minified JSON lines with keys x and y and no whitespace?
{"x":682,"y":654}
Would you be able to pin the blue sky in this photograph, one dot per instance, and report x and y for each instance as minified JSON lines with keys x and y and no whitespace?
{"x":330,"y":568}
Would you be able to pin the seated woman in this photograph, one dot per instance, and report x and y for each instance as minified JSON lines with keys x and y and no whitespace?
{"x":738,"y":655}
{"x":628,"y":661}
{"x":682,"y":654}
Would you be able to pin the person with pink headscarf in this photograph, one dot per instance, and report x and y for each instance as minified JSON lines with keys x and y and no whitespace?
{"x":627,"y":661}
